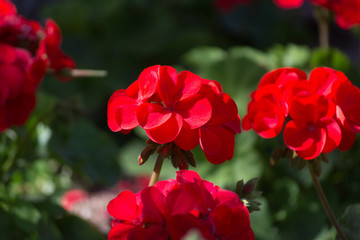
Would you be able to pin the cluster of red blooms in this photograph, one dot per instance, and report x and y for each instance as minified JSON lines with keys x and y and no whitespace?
{"x":321,"y":113}
{"x":180,"y":108}
{"x":169,"y":209}
{"x":27,"y":51}
{"x":347,"y":12}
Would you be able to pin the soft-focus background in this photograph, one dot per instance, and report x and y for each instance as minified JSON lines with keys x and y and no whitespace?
{"x":71,"y":147}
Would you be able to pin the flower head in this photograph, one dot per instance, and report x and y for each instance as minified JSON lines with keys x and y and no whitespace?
{"x":319,"y":112}
{"x":179,"y":108}
{"x":170,"y":209}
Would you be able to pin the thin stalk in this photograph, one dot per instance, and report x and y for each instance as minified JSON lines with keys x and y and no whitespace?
{"x":322,"y":17}
{"x":88,"y":73}
{"x":156,"y":172}
{"x":325,"y":202}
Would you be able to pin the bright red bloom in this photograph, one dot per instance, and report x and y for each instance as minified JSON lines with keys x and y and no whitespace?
{"x":346,"y":11}
{"x":180,"y":108}
{"x":313,"y":129}
{"x":172,"y":208}
{"x":49,"y":50}
{"x":321,"y":110}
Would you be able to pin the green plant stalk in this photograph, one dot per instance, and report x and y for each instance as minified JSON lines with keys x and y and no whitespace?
{"x":322,"y":18}
{"x":325,"y":202}
{"x":156,"y":172}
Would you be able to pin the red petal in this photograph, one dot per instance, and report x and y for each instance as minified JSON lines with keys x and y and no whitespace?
{"x":187,"y":139}
{"x":179,"y":225}
{"x":124,"y":207}
{"x":179,"y":201}
{"x":8,"y":53}
{"x":167,"y":85}
{"x":196,"y":112}
{"x":154,"y":205}
{"x":19,"y":109}
{"x":183,"y":176}
{"x":297,"y":136}
{"x":347,"y":139}
{"x":317,"y":147}
{"x":152,"y":115}
{"x":122,"y":112}
{"x":333,"y":134}
{"x":287,"y":4}
{"x":227,"y":146}
{"x":210,"y":142}
{"x":120,"y":231}
{"x":188,"y":85}
{"x":168,"y":131}
{"x":148,"y":82}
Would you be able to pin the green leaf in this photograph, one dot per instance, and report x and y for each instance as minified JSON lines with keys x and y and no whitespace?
{"x":332,"y":58}
{"x":350,"y":222}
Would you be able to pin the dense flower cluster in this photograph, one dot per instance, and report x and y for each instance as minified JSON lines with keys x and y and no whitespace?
{"x":169,"y":209}
{"x":180,"y":108}
{"x":320,"y":113}
{"x":27,"y":50}
{"x":346,"y":11}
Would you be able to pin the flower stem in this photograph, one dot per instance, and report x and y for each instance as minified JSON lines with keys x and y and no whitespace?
{"x":325,"y":202}
{"x":156,"y":172}
{"x":322,"y":17}
{"x":88,"y":73}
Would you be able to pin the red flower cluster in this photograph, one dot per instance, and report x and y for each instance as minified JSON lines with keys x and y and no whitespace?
{"x":180,"y":108}
{"x":26,"y":51}
{"x":347,"y":12}
{"x":171,"y":208}
{"x":322,"y":112}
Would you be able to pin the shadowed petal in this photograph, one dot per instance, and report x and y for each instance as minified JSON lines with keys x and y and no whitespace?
{"x":168,"y":131}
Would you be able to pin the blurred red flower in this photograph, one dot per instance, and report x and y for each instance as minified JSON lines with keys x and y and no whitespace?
{"x":49,"y":50}
{"x":169,"y":209}
{"x":21,"y":69}
{"x":19,"y":76}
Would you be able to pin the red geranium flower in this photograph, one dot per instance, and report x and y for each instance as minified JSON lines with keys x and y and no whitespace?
{"x":19,"y":76}
{"x":49,"y":50}
{"x":179,"y":108}
{"x":172,"y":208}
{"x":313,"y":129}
{"x":126,"y":209}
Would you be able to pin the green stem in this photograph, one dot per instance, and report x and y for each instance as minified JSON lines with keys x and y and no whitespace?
{"x":325,"y":202}
{"x":322,"y":17}
{"x":157,"y":168}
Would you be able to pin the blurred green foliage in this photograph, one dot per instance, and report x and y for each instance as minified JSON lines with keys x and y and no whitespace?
{"x":66,"y":142}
